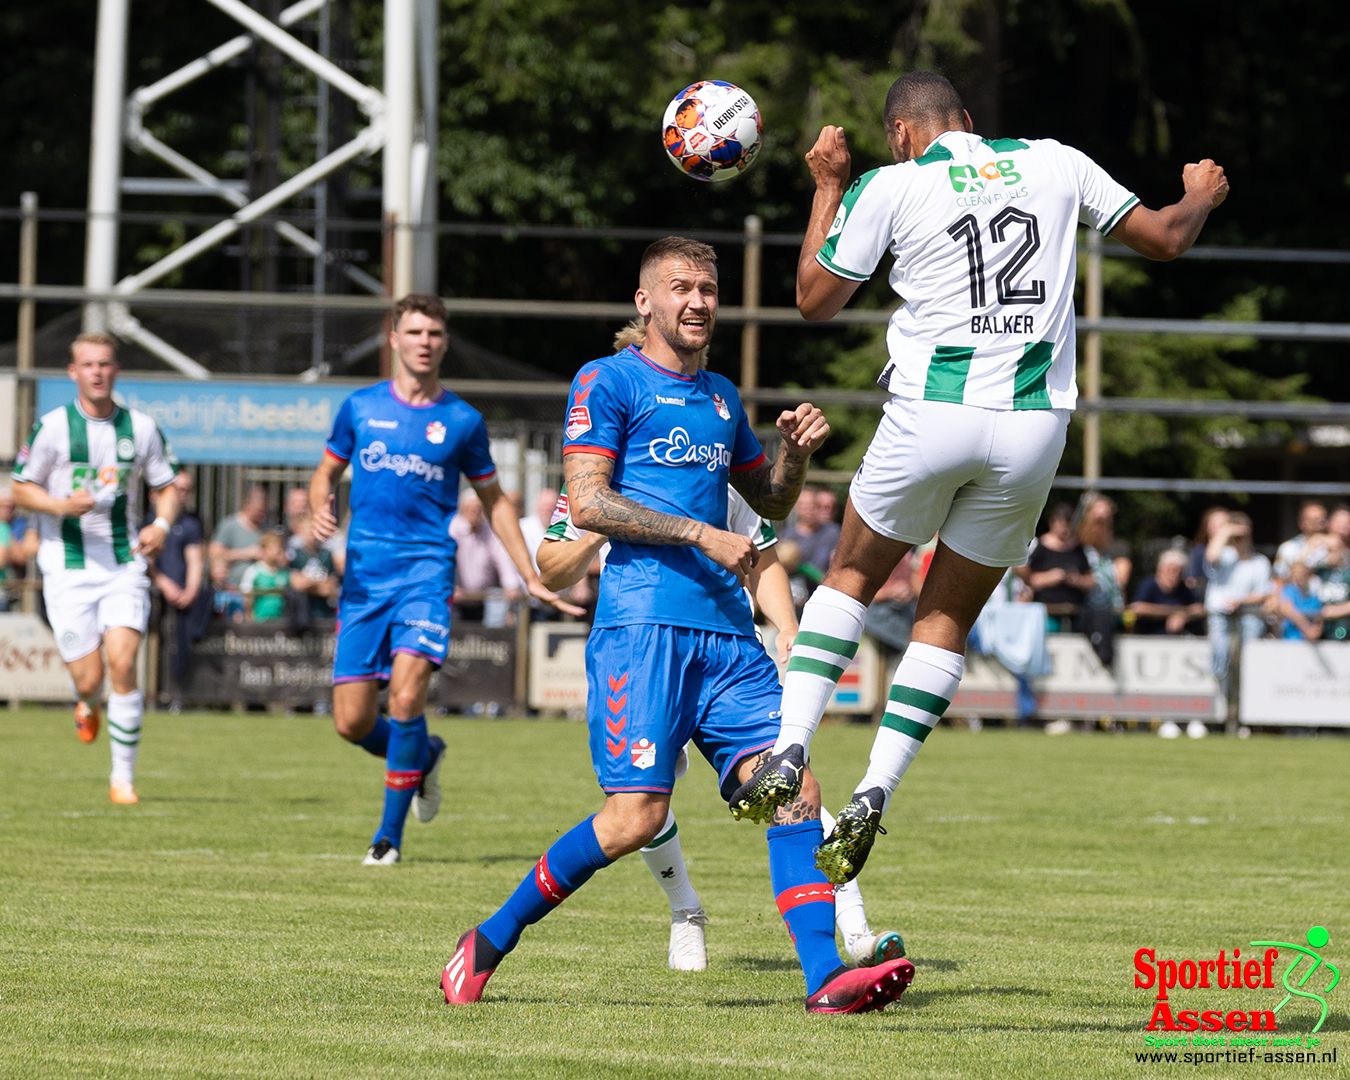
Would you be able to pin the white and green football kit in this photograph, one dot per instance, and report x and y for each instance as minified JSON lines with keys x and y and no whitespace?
{"x":93,"y":578}
{"x":982,"y":351}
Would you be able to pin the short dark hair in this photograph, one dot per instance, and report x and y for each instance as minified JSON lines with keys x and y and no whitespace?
{"x":676,"y":247}
{"x":423,"y":304}
{"x":1062,"y":512}
{"x":922,"y":98}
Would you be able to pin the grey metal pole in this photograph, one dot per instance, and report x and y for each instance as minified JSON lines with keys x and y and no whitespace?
{"x":24,"y":361}
{"x":1092,"y":358}
{"x":105,"y":157}
{"x":318,"y":347}
{"x":426,"y":209}
{"x":400,"y":70}
{"x":754,"y":250}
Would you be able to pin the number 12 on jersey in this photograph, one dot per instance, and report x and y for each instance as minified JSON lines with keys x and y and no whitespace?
{"x":967,"y":230}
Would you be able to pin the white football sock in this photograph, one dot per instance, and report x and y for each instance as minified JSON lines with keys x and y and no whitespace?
{"x":925,"y":683}
{"x":849,"y":915}
{"x":666,"y":862}
{"x":124,"y":733}
{"x":831,"y":627}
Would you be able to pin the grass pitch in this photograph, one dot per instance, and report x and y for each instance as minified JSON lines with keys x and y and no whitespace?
{"x":225,"y":927}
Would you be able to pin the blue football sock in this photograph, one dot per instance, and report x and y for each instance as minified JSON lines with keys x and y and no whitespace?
{"x":560,"y":872}
{"x":403,"y":773}
{"x":805,"y":898}
{"x":377,"y":739}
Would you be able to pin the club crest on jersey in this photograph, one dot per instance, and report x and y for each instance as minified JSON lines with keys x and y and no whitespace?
{"x":644,"y":754}
{"x":436,"y":432}
{"x":578,"y":421}
{"x":723,"y":409}
{"x":126,"y":449}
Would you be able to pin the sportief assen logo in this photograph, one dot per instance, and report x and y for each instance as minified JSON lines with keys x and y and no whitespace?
{"x":677,"y":449}
{"x":376,"y":457}
{"x":1306,"y":977}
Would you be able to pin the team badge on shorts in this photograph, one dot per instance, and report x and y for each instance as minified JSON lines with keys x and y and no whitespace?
{"x":723,"y":409}
{"x":644,"y":754}
{"x":436,"y":432}
{"x":578,"y":421}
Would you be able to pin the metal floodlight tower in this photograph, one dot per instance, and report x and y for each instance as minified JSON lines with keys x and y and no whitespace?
{"x":409,"y":193}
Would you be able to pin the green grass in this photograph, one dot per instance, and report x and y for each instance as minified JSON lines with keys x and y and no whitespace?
{"x":225,"y":927}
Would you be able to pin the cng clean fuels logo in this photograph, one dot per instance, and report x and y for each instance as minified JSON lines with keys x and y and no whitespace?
{"x":1242,"y":1003}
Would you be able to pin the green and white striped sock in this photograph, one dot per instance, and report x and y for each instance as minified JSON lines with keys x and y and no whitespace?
{"x":832,"y":626}
{"x":925,"y":683}
{"x":666,"y":862}
{"x":124,"y":733}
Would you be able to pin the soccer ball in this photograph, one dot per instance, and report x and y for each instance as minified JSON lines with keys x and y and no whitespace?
{"x":711,"y":130}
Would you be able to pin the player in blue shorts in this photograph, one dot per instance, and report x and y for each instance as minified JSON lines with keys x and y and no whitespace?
{"x":650,"y":444}
{"x":407,"y":440}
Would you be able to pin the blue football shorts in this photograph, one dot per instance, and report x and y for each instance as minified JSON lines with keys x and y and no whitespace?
{"x":371,"y":628}
{"x":654,"y":688}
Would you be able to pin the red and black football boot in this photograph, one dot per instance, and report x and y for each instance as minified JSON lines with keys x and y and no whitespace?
{"x":862,"y":989}
{"x":467,"y":973}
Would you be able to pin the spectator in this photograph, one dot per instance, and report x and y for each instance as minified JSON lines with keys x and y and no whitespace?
{"x":1312,"y":520}
{"x":314,"y":570}
{"x":481,"y":563}
{"x":890,"y":616}
{"x":1164,"y":603}
{"x":7,"y":547}
{"x":236,"y":544}
{"x":1299,"y":605}
{"x":179,"y":574}
{"x":815,"y":532}
{"x":1210,"y":520}
{"x":533,"y":526}
{"x":266,"y":582}
{"x":1338,"y":524}
{"x":1238,"y":575}
{"x":297,"y":507}
{"x":1108,"y":557}
{"x":1057,"y":570}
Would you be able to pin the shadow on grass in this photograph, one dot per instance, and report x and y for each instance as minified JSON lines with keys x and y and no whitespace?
{"x":764,"y":963}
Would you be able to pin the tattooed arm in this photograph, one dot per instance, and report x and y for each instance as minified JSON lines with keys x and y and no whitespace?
{"x":597,"y":507}
{"x":772,"y":489}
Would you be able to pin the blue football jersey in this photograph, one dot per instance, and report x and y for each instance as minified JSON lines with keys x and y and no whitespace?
{"x":406,"y":460}
{"x":674,"y":440}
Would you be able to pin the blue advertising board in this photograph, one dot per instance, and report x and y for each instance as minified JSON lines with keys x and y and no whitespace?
{"x":226,"y":423}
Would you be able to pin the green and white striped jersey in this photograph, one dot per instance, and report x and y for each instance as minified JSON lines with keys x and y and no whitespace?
{"x":70,"y":450}
{"x":740,"y":519}
{"x":984,"y":234}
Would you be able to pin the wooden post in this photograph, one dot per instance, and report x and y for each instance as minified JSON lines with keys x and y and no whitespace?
{"x":523,"y":654}
{"x":754,"y":249}
{"x":28,"y":238}
{"x":1092,"y":360}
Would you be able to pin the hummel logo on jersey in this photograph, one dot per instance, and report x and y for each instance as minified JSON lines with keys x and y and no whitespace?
{"x":376,"y":457}
{"x":723,"y":409}
{"x":382,"y":423}
{"x":436,"y":432}
{"x":676,"y":449}
{"x":669,"y":400}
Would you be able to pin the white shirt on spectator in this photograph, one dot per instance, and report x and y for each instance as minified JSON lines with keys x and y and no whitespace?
{"x":533,"y":530}
{"x":1232,"y":580}
{"x":1295,"y":549}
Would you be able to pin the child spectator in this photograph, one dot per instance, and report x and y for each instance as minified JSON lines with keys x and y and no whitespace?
{"x":314,"y":570}
{"x":1299,"y":605}
{"x":266,"y":582}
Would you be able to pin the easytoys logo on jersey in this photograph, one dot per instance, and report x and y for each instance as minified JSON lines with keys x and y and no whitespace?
{"x":375,"y":457}
{"x":677,"y":449}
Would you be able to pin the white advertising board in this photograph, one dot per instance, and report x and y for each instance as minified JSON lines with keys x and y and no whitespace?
{"x":30,"y":667}
{"x":1296,"y":683}
{"x":1151,"y":677}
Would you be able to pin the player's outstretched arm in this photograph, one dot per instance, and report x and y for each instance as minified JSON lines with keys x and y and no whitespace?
{"x":773,"y":596}
{"x":502,"y":515}
{"x":772,"y":489}
{"x":820,"y":294}
{"x":1168,"y":233}
{"x":562,"y":563}
{"x":598,"y":508}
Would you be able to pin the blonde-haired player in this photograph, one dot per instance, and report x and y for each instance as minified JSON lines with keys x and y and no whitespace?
{"x":82,"y":470}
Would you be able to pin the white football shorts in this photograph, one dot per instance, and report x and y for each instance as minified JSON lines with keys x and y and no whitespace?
{"x":83,"y":604}
{"x":976,"y":477}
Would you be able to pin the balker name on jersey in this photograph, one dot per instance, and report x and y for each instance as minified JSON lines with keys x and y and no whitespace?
{"x":984,"y":234}
{"x":108,"y":457}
